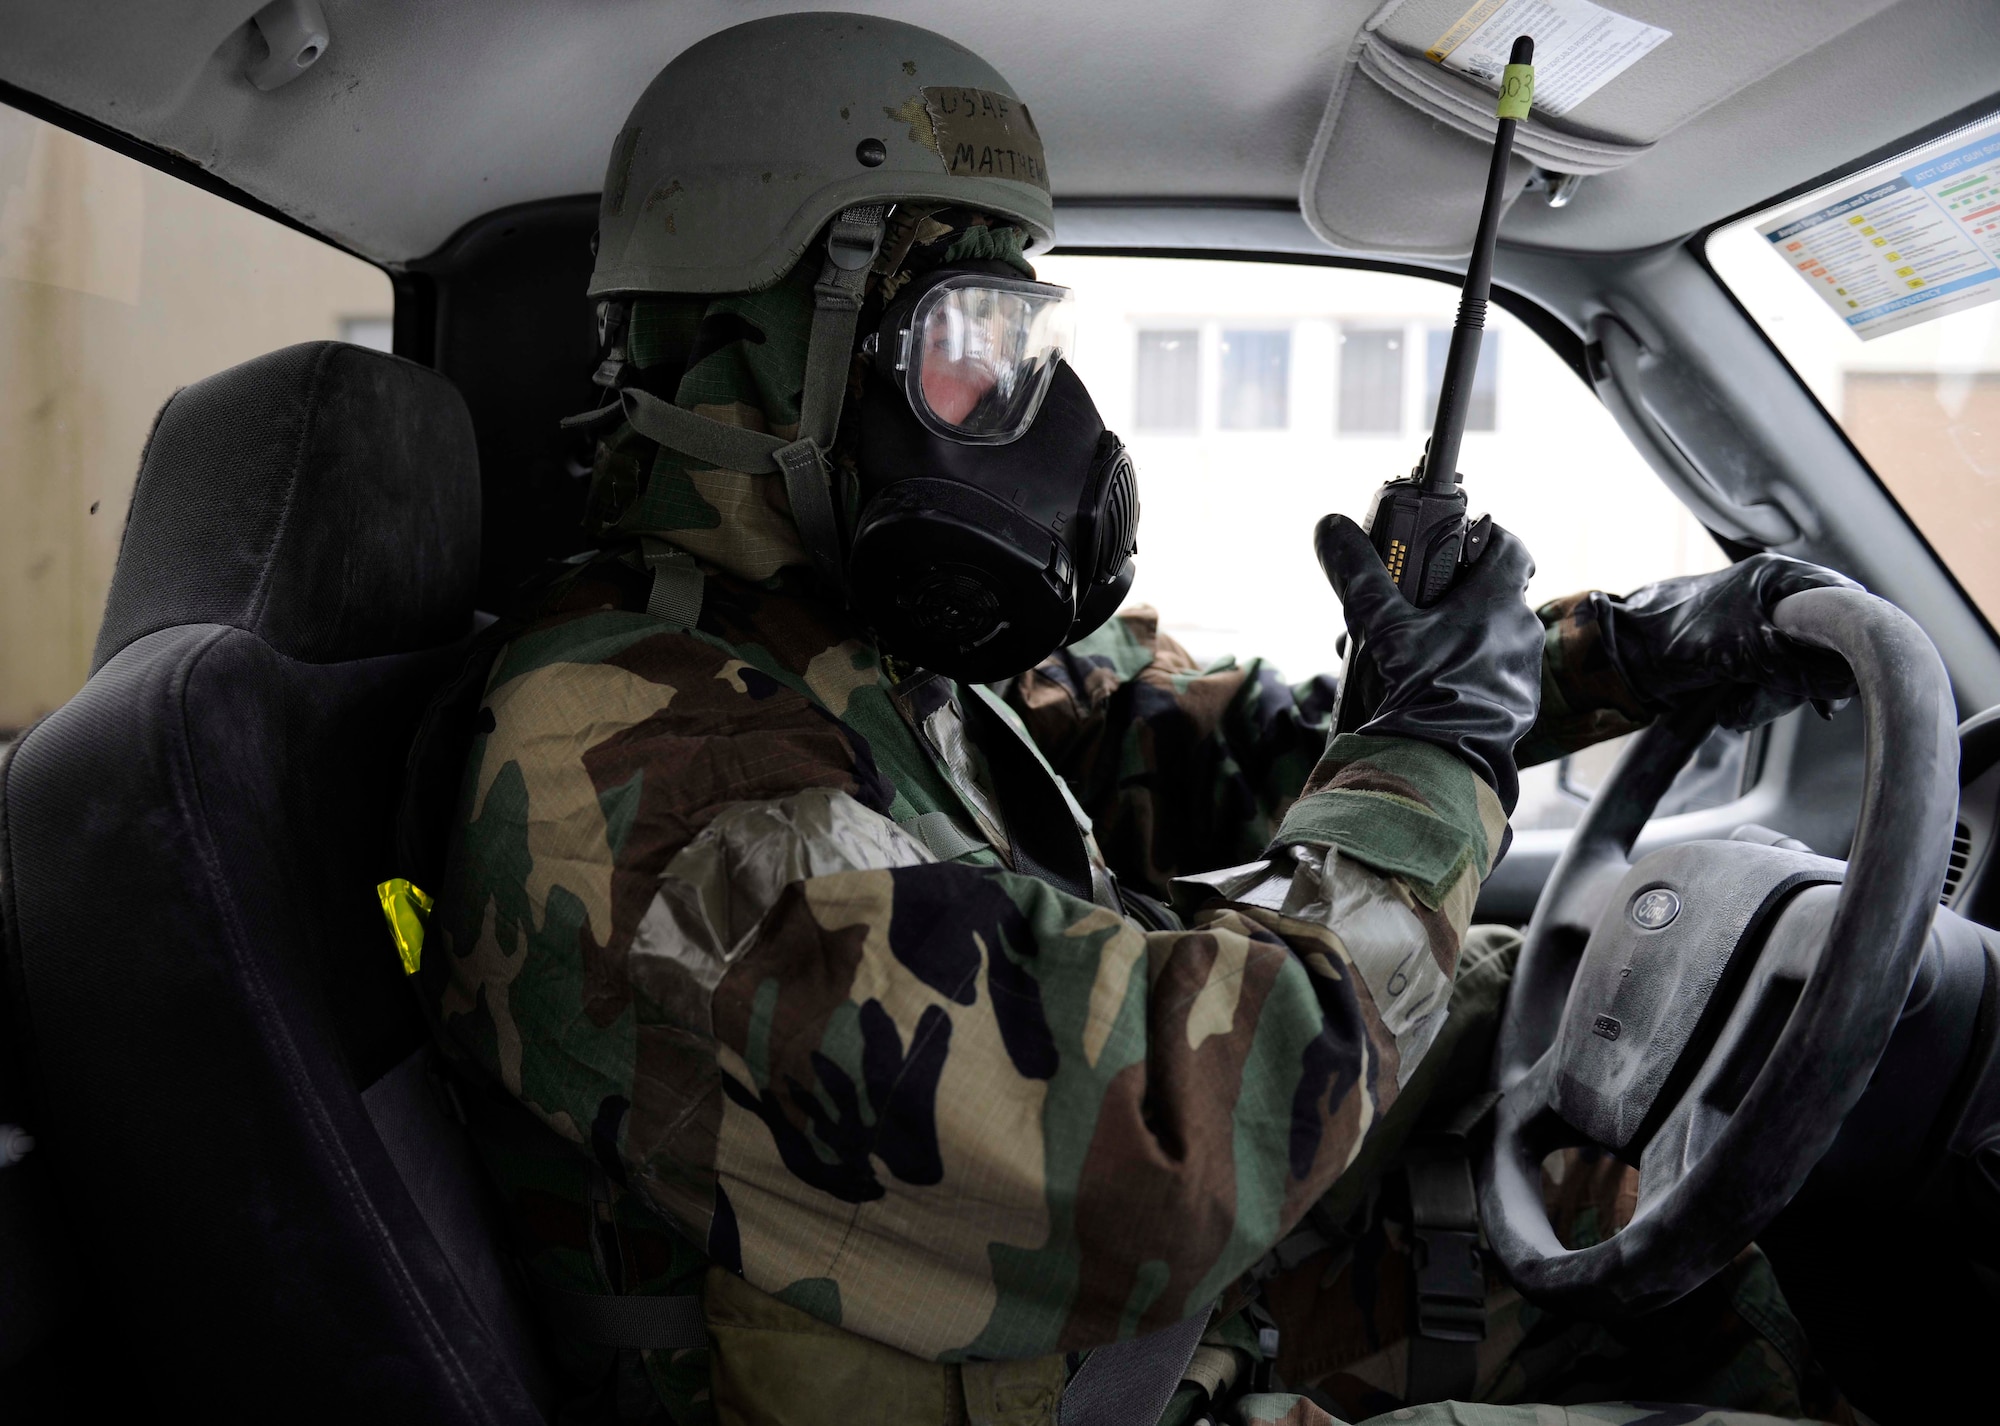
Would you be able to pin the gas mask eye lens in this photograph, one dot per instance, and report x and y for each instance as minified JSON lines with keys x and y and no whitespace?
{"x":983,"y":352}
{"x":954,"y":366}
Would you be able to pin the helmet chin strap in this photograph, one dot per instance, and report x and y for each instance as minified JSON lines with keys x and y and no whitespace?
{"x":851,"y":245}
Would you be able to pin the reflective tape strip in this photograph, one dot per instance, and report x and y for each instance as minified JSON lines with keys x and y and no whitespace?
{"x":406,"y":908}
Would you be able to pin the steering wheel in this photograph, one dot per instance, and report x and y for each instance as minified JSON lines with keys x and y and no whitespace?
{"x":1712,"y":1011}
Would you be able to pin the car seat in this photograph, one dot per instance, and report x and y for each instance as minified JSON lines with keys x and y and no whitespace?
{"x":270,"y":1210}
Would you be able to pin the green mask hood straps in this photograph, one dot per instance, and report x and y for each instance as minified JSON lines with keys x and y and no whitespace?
{"x":851,"y":245}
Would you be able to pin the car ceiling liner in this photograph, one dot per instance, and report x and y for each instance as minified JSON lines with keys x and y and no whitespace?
{"x":414,"y":121}
{"x":1404,"y":140}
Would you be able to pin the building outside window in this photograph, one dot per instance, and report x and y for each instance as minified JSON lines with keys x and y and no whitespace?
{"x":1341,"y":356}
{"x":1371,"y":381}
{"x":1480,"y":415}
{"x":1255,"y":381}
{"x":1168,"y":391}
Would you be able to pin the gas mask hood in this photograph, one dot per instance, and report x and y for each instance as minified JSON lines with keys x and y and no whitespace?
{"x":976,"y":516}
{"x":997,"y":518}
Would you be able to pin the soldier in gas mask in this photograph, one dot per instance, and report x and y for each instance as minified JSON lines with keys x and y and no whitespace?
{"x":844,"y":1033}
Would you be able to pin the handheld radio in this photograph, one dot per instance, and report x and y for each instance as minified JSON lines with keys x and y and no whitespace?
{"x":1418,"y":524}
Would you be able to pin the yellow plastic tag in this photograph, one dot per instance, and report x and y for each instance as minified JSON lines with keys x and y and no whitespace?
{"x":1517,"y":91}
{"x":406,"y":909}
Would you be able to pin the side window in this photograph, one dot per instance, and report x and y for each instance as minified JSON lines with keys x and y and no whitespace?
{"x":118,"y":285}
{"x":1258,"y":396}
{"x":1920,"y":402}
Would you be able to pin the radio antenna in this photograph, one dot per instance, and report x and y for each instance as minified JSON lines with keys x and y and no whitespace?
{"x":1440,"y":476}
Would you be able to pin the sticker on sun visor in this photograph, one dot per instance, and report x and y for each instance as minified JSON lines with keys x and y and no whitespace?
{"x":980,"y":134}
{"x":1906,"y":242}
{"x":1579,"y":47}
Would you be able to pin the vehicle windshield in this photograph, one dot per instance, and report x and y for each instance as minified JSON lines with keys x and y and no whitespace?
{"x":1258,"y":396}
{"x":1880,"y":291}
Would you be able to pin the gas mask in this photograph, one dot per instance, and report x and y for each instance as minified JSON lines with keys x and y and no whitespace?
{"x":997,"y":518}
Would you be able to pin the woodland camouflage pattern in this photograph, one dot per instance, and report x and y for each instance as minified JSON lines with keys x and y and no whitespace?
{"x":1287,"y":1410}
{"x":1344,"y":1304}
{"x":1345,"y":1319}
{"x":688,"y":922}
{"x":924,"y":1100}
{"x":1181,"y":768}
{"x":1184,"y":768}
{"x":1585,"y":699}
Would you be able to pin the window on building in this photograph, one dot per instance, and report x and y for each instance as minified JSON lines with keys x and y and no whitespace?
{"x":1479,"y":416}
{"x":1168,"y":395}
{"x":1371,"y":381}
{"x":376,"y":332}
{"x":1256,"y":381}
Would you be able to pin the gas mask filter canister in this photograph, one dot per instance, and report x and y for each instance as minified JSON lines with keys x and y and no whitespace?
{"x":998,"y":518}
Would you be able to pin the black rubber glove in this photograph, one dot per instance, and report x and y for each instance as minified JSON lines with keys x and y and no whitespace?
{"x":1464,"y":674}
{"x":1681,"y":638}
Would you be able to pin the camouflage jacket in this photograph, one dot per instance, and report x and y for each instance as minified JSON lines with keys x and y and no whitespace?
{"x":936,"y":1102}
{"x":732,"y":909}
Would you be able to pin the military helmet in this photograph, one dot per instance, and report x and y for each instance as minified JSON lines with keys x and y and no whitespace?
{"x":747,"y":145}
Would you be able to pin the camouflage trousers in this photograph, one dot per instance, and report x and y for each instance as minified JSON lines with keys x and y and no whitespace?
{"x":1287,"y":1410}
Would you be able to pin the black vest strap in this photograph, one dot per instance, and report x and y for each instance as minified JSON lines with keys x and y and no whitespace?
{"x":1129,"y":1382}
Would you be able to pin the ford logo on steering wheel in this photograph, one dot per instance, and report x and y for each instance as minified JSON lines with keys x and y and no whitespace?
{"x":1654,"y":909}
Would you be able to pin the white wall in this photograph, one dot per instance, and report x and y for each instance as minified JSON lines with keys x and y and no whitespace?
{"x":118,"y":285}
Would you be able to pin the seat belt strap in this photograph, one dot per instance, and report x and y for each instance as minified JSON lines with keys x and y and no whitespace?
{"x":614,"y":1320}
{"x":1128,"y":1383}
{"x":677,"y":583}
{"x":1450,"y":1279}
{"x":1042,"y":831}
{"x":440,"y":1170}
{"x":434,"y":769}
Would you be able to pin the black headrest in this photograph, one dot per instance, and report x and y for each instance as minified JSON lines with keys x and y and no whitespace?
{"x":324,"y":497}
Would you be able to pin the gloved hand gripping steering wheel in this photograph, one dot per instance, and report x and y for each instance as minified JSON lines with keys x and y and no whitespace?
{"x":1726,"y":1001}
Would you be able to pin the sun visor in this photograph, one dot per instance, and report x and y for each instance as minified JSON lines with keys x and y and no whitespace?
{"x":1401,"y":153}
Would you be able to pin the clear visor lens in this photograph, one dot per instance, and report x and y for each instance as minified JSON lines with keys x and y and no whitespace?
{"x":981,"y":352}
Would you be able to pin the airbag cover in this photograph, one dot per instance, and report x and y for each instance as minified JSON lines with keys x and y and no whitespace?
{"x":1655,"y":979}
